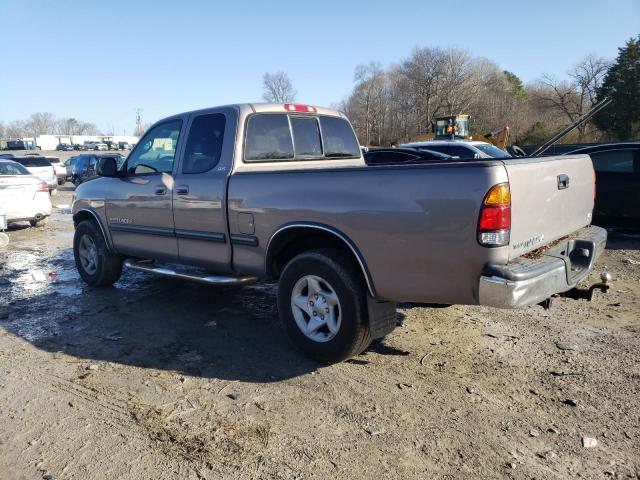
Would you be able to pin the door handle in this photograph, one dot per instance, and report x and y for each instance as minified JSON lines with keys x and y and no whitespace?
{"x":161,"y":190}
{"x":183,"y":190}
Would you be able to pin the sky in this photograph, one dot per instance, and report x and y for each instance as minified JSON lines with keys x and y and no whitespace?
{"x":99,"y":61}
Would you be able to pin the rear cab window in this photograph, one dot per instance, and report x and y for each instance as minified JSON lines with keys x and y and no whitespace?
{"x":288,"y":137}
{"x":33,"y":162}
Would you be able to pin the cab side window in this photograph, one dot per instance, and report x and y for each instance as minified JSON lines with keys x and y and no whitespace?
{"x":156,"y":151}
{"x":204,"y":143}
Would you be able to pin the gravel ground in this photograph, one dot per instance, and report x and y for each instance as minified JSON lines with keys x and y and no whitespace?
{"x":159,"y":379}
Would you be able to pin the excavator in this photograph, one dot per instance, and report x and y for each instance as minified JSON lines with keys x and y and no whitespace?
{"x":456,"y":127}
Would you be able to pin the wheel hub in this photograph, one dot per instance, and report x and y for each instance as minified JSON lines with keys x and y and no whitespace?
{"x":316,"y":308}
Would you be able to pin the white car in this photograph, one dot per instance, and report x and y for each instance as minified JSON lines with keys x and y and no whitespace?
{"x":464,"y":149}
{"x":23,"y":196}
{"x":100,"y":146}
{"x":41,"y":168}
{"x":59,"y":168}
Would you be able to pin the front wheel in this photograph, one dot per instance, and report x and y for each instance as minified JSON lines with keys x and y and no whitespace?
{"x":97,"y":266}
{"x":322,"y":305}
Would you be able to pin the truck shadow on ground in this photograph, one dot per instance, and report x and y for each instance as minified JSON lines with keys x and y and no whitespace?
{"x":230,"y":333}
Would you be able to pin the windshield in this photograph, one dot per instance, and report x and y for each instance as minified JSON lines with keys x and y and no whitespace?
{"x":492,"y":151}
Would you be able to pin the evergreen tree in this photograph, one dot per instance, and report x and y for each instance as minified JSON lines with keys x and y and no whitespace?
{"x":621,"y":118}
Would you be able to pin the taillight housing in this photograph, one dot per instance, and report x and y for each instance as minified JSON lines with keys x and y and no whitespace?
{"x":42,"y":187}
{"x":494,"y":224}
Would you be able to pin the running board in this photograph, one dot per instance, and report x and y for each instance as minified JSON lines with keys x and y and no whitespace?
{"x":193,"y":275}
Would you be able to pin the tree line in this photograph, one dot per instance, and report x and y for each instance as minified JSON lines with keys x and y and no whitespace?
{"x":399,"y":103}
{"x":46,"y":124}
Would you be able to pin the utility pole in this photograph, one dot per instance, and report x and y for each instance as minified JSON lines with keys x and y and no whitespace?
{"x":138,"y":122}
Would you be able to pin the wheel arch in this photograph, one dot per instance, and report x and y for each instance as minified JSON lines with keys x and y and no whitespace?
{"x":88,"y":214}
{"x":292,"y":239}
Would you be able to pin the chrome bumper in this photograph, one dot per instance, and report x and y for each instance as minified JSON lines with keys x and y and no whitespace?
{"x":530,"y":281}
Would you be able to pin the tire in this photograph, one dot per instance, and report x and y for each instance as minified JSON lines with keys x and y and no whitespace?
{"x":104,"y":267}
{"x":338,"y":278}
{"x":39,"y":223}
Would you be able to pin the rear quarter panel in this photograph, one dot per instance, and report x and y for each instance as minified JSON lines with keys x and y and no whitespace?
{"x":415,"y":226}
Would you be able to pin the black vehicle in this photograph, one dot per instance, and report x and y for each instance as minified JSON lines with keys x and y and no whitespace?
{"x":617,"y":167}
{"x":84,"y":167}
{"x":123,"y":145}
{"x":64,"y":147}
{"x":395,"y":156}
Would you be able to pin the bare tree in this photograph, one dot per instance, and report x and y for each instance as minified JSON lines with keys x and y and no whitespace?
{"x":16,"y":129}
{"x":277,"y":88}
{"x":573,"y":97}
{"x":40,"y":124}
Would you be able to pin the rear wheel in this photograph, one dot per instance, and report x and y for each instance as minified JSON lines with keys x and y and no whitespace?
{"x":322,"y":305}
{"x":97,"y":266}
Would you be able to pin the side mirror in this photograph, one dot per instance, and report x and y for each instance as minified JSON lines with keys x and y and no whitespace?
{"x":107,"y":167}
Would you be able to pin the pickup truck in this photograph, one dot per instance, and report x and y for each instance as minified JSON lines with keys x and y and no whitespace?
{"x":236,"y":194}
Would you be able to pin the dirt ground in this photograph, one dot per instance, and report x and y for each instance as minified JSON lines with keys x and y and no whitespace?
{"x":159,"y":379}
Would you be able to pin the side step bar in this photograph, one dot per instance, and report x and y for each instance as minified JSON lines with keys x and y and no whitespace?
{"x":194,"y":276}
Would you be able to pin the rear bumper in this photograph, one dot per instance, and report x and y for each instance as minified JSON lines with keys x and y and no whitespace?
{"x":530,"y":281}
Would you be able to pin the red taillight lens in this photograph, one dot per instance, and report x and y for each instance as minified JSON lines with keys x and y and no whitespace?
{"x":495,"y":218}
{"x":494,"y":224}
{"x":54,"y":171}
{"x":42,"y":187}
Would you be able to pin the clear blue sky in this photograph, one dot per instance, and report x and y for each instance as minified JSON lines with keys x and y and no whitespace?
{"x":100,"y":60}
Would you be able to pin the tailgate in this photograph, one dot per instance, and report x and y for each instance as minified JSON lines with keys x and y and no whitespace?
{"x":551,"y":197}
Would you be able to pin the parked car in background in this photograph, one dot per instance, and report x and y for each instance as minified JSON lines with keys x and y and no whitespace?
{"x":397,"y":156}
{"x":70,"y":166}
{"x":123,"y":145}
{"x":64,"y":147}
{"x":79,"y":146}
{"x":100,"y":146}
{"x":59,"y":168}
{"x":617,"y":167}
{"x":7,"y":155}
{"x":464,"y":149}
{"x":23,"y":196}
{"x":85,"y":166}
{"x":41,"y":168}
{"x":239,"y":193}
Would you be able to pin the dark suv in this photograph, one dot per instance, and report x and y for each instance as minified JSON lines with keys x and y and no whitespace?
{"x":85,"y":166}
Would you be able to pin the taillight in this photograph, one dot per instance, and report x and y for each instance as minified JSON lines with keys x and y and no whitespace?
{"x":291,"y":107}
{"x":494,"y":225}
{"x":54,"y":171}
{"x":594,"y":184}
{"x":42,"y":187}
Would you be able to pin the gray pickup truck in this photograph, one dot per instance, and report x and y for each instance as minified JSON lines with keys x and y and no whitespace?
{"x":234,"y":194}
